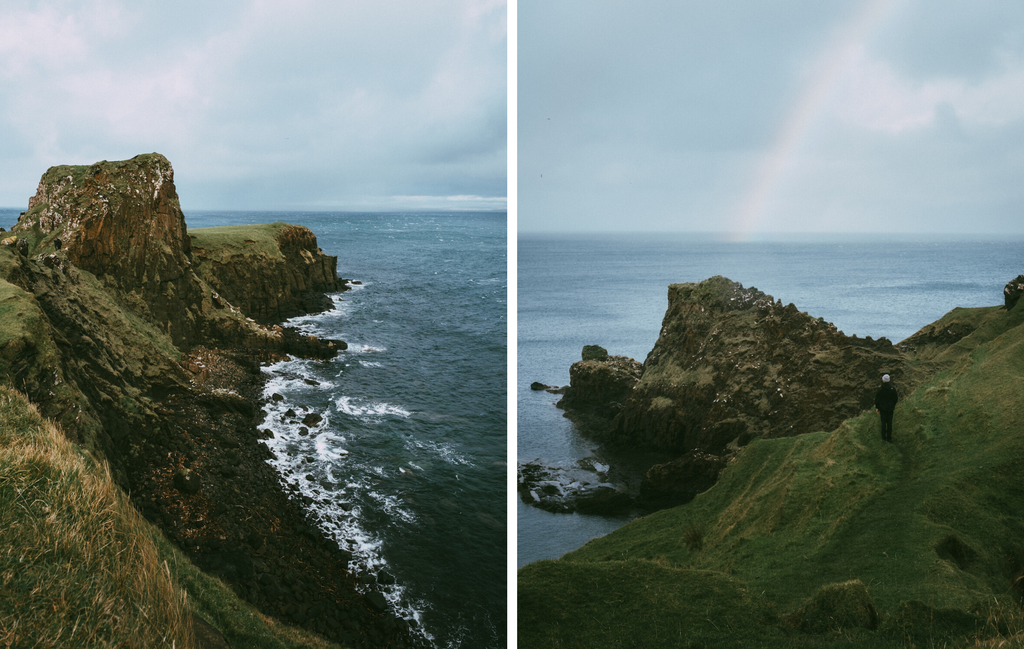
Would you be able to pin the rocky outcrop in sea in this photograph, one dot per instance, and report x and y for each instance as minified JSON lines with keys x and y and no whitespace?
{"x":731,"y":364}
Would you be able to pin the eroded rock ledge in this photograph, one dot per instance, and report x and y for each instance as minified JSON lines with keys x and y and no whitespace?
{"x":124,"y":328}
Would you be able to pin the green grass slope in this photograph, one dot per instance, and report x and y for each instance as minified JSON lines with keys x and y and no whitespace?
{"x":224,"y":242}
{"x":79,"y":567}
{"x":803,"y":537}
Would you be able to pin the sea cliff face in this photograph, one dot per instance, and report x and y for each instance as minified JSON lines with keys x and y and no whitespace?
{"x":731,"y":364}
{"x":281,"y":276}
{"x":122,"y":222}
{"x":139,"y":339}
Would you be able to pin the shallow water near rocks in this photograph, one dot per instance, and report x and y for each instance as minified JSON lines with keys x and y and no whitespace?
{"x":406,"y":466}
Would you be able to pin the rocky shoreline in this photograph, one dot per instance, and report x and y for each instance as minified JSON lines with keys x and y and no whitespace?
{"x":121,"y":326}
{"x":239,"y":522}
{"x":731,"y":365}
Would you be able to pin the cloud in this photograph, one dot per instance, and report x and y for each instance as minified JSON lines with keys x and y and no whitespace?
{"x":346,"y":100}
{"x":873,"y":95}
{"x":865,"y":115}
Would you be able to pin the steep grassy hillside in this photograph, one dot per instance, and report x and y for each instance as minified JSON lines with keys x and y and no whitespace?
{"x":81,"y":568}
{"x":831,"y":537}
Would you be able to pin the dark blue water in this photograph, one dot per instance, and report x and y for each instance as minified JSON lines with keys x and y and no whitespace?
{"x":408,"y":466}
{"x":612,"y":290}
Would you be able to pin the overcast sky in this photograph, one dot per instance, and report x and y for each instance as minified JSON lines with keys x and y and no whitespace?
{"x":756,"y":118}
{"x":263,"y":104}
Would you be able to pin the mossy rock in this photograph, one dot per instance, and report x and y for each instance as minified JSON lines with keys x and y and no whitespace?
{"x":187,"y":482}
{"x":835,"y":607}
{"x":594,"y":353}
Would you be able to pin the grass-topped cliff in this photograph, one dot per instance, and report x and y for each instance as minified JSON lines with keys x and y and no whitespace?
{"x":125,"y":366}
{"x":830,"y":538}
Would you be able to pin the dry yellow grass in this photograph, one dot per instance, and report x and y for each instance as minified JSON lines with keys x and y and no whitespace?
{"x":78,"y":567}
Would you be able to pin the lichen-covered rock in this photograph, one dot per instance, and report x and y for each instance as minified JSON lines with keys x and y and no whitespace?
{"x":733,"y":363}
{"x":599,"y":388}
{"x":1012,"y":292}
{"x":122,"y":222}
{"x":677,"y":482}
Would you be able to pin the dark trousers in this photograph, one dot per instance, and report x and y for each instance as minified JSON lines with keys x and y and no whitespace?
{"x":886,"y":424}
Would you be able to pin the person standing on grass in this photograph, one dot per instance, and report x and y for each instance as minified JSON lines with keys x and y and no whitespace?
{"x":885,"y":405}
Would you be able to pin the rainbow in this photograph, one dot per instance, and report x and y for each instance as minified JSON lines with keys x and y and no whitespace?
{"x":779,"y":157}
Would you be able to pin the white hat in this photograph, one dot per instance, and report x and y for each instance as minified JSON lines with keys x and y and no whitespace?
{"x":885,"y":378}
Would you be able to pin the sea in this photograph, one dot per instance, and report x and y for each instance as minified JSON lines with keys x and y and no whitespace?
{"x":612,"y":290}
{"x":407,"y":470}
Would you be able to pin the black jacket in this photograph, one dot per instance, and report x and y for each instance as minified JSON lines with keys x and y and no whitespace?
{"x":886,"y":398}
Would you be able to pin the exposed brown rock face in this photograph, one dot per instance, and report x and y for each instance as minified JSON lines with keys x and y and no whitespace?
{"x":1012,"y":292}
{"x":600,"y":384}
{"x":733,"y":363}
{"x":272,"y":288}
{"x":122,"y":222}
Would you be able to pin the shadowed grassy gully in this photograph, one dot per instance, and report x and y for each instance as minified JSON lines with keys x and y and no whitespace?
{"x":832,"y":537}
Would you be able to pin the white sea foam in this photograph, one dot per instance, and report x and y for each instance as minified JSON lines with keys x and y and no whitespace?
{"x":357,"y":348}
{"x":442,"y":450}
{"x":339,"y":511}
{"x":369,"y":410}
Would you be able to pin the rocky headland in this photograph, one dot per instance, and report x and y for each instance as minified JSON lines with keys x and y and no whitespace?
{"x":143,"y":341}
{"x":731,"y":364}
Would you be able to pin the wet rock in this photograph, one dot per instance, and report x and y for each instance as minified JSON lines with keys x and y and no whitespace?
{"x":312,"y":419}
{"x":567,"y":490}
{"x":377,"y":601}
{"x":187,"y":481}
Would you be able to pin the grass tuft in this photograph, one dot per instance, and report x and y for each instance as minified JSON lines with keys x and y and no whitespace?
{"x":77,"y":566}
{"x":693,"y":537}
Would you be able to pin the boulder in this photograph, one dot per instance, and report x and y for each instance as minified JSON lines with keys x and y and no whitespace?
{"x":1012,"y":292}
{"x":599,"y":384}
{"x":677,"y":482}
{"x":187,"y":482}
{"x":594,"y":353}
{"x":312,"y":419}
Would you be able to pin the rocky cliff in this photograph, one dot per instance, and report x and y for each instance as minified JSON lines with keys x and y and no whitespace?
{"x":271,"y":274}
{"x":127,"y":336}
{"x":731,"y":364}
{"x":122,"y":222}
